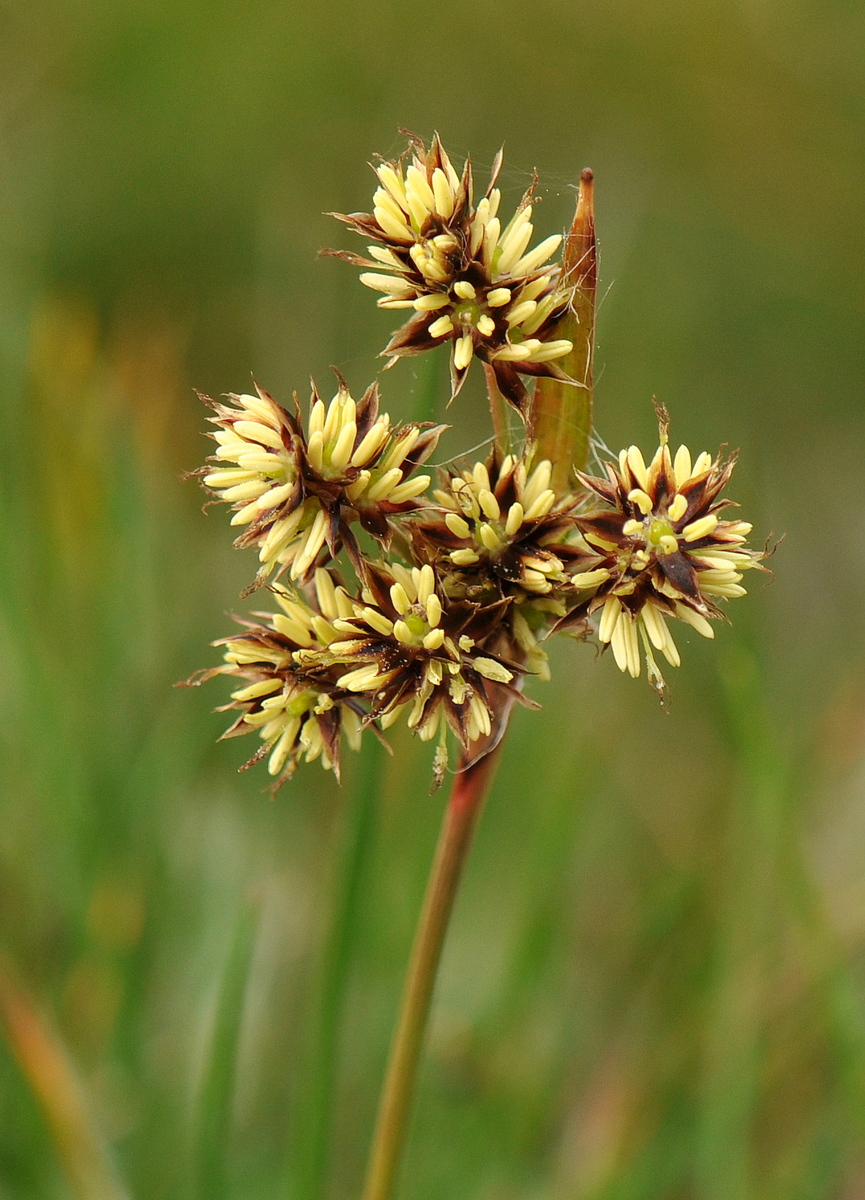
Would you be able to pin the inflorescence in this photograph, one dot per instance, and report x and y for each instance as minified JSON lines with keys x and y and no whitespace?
{"x":446,"y":594}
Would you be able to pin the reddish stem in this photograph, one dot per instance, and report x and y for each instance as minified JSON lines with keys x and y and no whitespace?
{"x":464,"y":807}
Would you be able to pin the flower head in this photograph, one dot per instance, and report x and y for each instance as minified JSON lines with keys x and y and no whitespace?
{"x":408,"y":649}
{"x":468,"y":279}
{"x":289,"y":691}
{"x":661,"y":551}
{"x":298,"y":491}
{"x":500,"y":524}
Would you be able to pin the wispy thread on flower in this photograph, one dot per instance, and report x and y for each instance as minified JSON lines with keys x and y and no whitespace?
{"x":430,"y":601}
{"x":467,"y":277}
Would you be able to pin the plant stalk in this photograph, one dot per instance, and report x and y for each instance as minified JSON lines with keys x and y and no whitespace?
{"x":464,"y":807}
{"x":560,"y":420}
{"x":500,"y":414}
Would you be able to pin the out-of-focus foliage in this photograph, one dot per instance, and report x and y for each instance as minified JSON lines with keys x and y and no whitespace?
{"x":654,"y":985}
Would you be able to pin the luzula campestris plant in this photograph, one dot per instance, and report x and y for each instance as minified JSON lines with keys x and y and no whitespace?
{"x":437,"y":617}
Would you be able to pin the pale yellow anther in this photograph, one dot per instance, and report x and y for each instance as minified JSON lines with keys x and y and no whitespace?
{"x":370,"y":444}
{"x":520,"y":312}
{"x":457,"y":525}
{"x":355,"y":490}
{"x":540,"y":507}
{"x":514,"y":518}
{"x":441,"y":326}
{"x":481,"y":476}
{"x":609,"y":618}
{"x":384,"y":486}
{"x":465,"y":290}
{"x":256,"y":689}
{"x":399,"y":599}
{"x":463,"y":558}
{"x":341,"y":453}
{"x":315,"y":451}
{"x":402,"y":446}
{"x":682,"y":466}
{"x":485,"y":325}
{"x":433,"y":610}
{"x":434,"y":639}
{"x":490,"y":669}
{"x":535,"y":258}
{"x":516,"y":353}
{"x":703,"y":463}
{"x":642,"y":500}
{"x":491,"y":239}
{"x":489,"y":504}
{"x":668,"y":544}
{"x":377,"y":621}
{"x":590,"y":579}
{"x":398,"y":229}
{"x":489,"y":537}
{"x":333,"y":420}
{"x":416,"y":183}
{"x":316,"y":417}
{"x":443,"y":192}
{"x":409,"y":489}
{"x":463,"y":351}
{"x":360,"y":680}
{"x":695,"y":620}
{"x":392,"y":285}
{"x":392,"y":182}
{"x":631,"y":527}
{"x":637,"y":464}
{"x":514,"y":241}
{"x":254,"y":431}
{"x":425,"y":582}
{"x":498,"y":297}
{"x":431,"y":301}
{"x":699,"y":529}
{"x":251,"y":490}
{"x":678,"y":508}
{"x":402,"y":633}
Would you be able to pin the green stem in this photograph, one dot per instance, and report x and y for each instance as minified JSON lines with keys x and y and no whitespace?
{"x":220,"y":1081}
{"x":464,"y":807}
{"x":499,"y":412}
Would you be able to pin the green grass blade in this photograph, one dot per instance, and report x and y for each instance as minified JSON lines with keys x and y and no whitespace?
{"x":212,"y":1165}
{"x":310,"y":1178}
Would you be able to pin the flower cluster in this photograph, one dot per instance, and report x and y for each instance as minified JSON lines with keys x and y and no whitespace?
{"x":662,"y":551}
{"x":447,"y":592}
{"x":296,"y":492}
{"x":467,"y":278}
{"x":291,"y":694}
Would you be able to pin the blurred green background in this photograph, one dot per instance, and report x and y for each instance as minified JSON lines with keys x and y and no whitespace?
{"x":655,"y":983}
